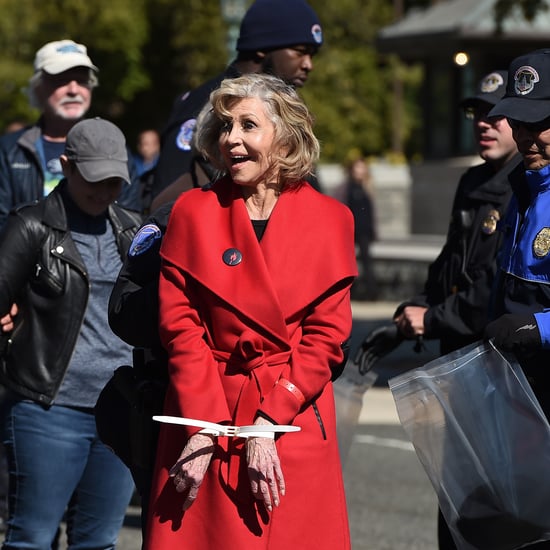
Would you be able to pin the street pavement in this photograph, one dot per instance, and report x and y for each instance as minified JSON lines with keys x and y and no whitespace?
{"x":391,"y":503}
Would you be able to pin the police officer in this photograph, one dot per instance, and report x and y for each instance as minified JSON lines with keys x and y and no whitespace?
{"x":522,"y":294}
{"x":454,"y":303}
{"x":453,"y":307}
{"x":125,"y":408}
{"x":279,"y":37}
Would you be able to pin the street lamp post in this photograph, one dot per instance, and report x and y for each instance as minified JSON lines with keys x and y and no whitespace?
{"x":232,"y":13}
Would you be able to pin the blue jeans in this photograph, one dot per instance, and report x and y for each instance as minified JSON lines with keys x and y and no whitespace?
{"x":58,"y":465}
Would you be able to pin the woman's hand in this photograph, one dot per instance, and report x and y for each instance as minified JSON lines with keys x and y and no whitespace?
{"x":188,"y":472}
{"x":264,"y":469}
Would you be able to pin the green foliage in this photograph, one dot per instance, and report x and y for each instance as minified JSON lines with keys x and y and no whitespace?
{"x":185,"y":46}
{"x":150,"y":51}
{"x":529,"y":9}
{"x":352,"y":90}
{"x":114,"y":33}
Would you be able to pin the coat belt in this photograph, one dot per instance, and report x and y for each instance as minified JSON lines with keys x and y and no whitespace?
{"x":248,"y":356}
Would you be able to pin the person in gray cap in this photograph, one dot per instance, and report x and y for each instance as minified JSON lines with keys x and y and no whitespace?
{"x":279,"y":37}
{"x":61,"y":89}
{"x":59,"y":258}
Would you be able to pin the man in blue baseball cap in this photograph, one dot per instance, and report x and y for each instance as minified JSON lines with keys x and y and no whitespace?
{"x":278,"y":37}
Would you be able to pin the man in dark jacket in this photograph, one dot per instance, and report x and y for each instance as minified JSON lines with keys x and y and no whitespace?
{"x":279,"y":37}
{"x":59,"y":258}
{"x":61,"y":87}
{"x":454,"y":305}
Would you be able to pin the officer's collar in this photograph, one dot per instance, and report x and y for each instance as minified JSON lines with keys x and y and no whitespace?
{"x":538,"y":180}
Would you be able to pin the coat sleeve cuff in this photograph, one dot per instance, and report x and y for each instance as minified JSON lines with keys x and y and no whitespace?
{"x":543,"y":323}
{"x":283,"y":402}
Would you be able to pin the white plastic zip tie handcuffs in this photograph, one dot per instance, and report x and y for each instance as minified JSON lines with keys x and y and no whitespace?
{"x":228,"y":431}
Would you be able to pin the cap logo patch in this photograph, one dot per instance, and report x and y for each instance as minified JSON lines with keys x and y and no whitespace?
{"x":70,"y":48}
{"x":317,"y":33}
{"x":491,"y":83}
{"x":185,"y":135}
{"x":144,"y":239}
{"x":525,"y":79}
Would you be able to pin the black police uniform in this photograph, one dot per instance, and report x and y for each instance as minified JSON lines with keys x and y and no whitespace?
{"x":457,"y":291}
{"x":125,"y":408}
{"x":176,"y":153}
{"x":458,"y":288}
{"x":526,"y":291}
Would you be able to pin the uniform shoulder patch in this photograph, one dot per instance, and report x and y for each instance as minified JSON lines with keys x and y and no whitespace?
{"x":185,"y":135}
{"x":144,"y":239}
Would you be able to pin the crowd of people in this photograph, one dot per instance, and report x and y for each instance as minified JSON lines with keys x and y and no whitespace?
{"x":201,"y":260}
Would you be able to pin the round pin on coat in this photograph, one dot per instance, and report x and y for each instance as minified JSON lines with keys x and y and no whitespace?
{"x":232,"y":256}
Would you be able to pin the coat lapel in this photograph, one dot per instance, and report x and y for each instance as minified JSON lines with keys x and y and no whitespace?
{"x":269,"y":283}
{"x":204,"y":227}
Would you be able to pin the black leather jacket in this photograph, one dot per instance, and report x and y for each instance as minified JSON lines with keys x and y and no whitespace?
{"x":42,"y":271}
{"x":22,"y":177}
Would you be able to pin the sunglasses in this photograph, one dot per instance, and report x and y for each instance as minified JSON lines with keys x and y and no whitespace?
{"x":534,"y":127}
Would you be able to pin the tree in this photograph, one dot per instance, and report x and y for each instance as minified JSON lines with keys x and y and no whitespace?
{"x":147,"y":51}
{"x":184,"y":47}
{"x":529,"y":9}
{"x":113,"y":31}
{"x":150,"y":51}
{"x":351,"y":91}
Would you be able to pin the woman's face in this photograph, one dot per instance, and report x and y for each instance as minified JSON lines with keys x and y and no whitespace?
{"x":246,"y":142}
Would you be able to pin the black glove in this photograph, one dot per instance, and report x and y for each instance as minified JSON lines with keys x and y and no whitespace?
{"x":378,"y":343}
{"x":512,"y":332}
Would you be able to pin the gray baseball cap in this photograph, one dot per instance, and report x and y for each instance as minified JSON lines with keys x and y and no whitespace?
{"x":98,"y":148}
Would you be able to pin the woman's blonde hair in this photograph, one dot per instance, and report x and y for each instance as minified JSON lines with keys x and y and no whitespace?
{"x":295,"y":147}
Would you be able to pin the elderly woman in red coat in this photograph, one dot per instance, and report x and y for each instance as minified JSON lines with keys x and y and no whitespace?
{"x":254,"y":310}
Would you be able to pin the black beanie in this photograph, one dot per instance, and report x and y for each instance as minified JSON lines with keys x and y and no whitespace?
{"x":274,"y":24}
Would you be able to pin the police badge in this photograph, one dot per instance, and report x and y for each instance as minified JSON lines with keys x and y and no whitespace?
{"x":541,"y":244}
{"x":525,"y":79}
{"x":489,"y":225}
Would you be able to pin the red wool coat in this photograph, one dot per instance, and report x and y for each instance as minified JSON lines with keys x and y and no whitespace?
{"x":232,"y":330}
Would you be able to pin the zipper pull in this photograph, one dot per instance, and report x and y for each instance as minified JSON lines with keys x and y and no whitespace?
{"x":38,"y":269}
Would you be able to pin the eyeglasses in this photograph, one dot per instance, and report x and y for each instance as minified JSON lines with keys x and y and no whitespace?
{"x":533,"y":127}
{"x":84,"y":79}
